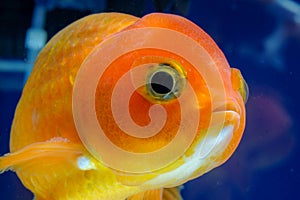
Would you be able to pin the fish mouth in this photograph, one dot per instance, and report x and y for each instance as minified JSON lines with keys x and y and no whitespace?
{"x":229,"y":105}
{"x":222,"y":126}
{"x":224,"y":122}
{"x":228,"y":113}
{"x":212,"y":145}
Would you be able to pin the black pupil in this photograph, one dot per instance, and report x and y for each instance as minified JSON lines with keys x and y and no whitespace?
{"x":161,"y":83}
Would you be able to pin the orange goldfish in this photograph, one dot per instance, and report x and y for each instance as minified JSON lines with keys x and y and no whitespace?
{"x":119,"y":107}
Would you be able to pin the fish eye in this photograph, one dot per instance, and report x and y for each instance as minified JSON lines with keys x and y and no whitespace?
{"x":165,"y":82}
{"x":161,"y":82}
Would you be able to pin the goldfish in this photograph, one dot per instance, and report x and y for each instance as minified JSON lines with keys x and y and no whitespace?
{"x":120,"y":107}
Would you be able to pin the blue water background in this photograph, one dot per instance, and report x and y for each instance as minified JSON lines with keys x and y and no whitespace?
{"x":266,"y":164}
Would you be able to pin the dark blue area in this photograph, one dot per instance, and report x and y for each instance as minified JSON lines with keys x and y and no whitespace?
{"x":8,"y":102}
{"x":9,"y":181}
{"x":261,"y":168}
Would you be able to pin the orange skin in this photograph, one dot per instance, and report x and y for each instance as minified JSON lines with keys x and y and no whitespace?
{"x":44,"y":141}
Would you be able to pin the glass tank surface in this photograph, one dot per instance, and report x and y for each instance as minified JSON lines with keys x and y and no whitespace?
{"x":261,"y":38}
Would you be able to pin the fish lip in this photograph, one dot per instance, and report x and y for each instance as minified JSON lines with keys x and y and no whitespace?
{"x":230,"y":105}
{"x":228,"y":113}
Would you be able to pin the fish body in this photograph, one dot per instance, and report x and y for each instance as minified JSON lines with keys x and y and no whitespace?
{"x":58,"y":155}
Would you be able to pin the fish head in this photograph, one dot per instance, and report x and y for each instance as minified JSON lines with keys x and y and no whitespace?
{"x":158,"y":104}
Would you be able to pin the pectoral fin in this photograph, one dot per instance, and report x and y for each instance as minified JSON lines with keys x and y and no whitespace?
{"x":148,"y":195}
{"x":41,"y":156}
{"x":172,"y":193}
